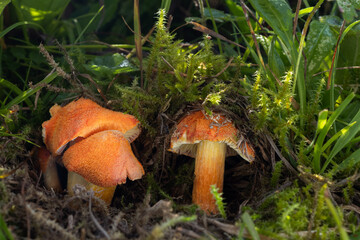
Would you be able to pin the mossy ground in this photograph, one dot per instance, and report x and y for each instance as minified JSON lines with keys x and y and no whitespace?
{"x":140,"y":209}
{"x":279,"y":194}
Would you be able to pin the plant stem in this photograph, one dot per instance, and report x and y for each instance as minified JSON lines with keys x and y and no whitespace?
{"x":215,"y":27}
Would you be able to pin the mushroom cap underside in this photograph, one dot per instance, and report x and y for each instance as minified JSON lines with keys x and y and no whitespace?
{"x":104,"y":159}
{"x":83,"y":118}
{"x":198,"y":126}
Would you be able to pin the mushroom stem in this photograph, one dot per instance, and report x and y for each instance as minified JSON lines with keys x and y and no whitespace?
{"x":104,"y":193}
{"x":209,"y":170}
{"x":49,"y":170}
{"x":51,"y":177}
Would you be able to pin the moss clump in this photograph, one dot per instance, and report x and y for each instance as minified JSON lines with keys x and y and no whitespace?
{"x":274,"y":108}
{"x":276,"y":174}
{"x":176,"y":74}
{"x":295,"y":214}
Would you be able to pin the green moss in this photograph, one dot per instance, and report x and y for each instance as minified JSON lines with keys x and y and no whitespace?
{"x":176,"y":74}
{"x":274,"y":110}
{"x":276,"y":174}
{"x":348,"y":192}
{"x":219,"y":200}
{"x":292,"y":211}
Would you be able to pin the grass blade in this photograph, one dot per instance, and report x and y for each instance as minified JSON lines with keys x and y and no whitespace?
{"x":299,"y":79}
{"x":214,"y":26}
{"x":138,"y":44}
{"x":18,"y":136}
{"x":337,"y":136}
{"x":337,"y":218}
{"x":253,"y":36}
{"x":347,"y":134}
{"x":165,"y":4}
{"x":331,"y":79}
{"x":323,"y":132}
{"x":4,"y":231}
{"x":31,"y":91}
{"x":322,"y":119}
{"x":249,"y":224}
{"x":89,"y":23}
{"x":14,"y":89}
{"x":350,"y":161}
{"x":15,"y":25}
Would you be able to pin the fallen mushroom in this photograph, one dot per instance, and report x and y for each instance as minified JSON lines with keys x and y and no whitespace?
{"x":100,"y":162}
{"x":209,"y":139}
{"x":48,"y":168}
{"x":82,"y":118}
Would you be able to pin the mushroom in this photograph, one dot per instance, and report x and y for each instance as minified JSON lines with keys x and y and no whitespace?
{"x":209,"y":139}
{"x":89,"y":130}
{"x":49,"y":170}
{"x":83,"y":118}
{"x":100,"y":162}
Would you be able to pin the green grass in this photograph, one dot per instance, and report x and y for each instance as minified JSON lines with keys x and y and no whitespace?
{"x":289,"y":75}
{"x":4,"y":231}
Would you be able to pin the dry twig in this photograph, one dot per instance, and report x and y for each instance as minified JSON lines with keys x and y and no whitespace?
{"x":285,"y":161}
{"x":96,"y":222}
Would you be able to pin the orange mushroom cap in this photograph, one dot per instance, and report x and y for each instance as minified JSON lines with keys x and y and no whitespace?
{"x":197,"y":126}
{"x":83,"y":118}
{"x":104,"y":159}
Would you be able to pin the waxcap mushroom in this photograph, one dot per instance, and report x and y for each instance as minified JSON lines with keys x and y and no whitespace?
{"x":198,"y":126}
{"x":104,"y":159}
{"x":82,"y":118}
{"x":208,"y":139}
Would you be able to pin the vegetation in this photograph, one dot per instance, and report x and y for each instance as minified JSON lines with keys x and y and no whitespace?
{"x":286,"y":72}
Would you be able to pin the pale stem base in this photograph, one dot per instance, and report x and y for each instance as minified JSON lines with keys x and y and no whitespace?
{"x":51,"y":177}
{"x":105,"y":193}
